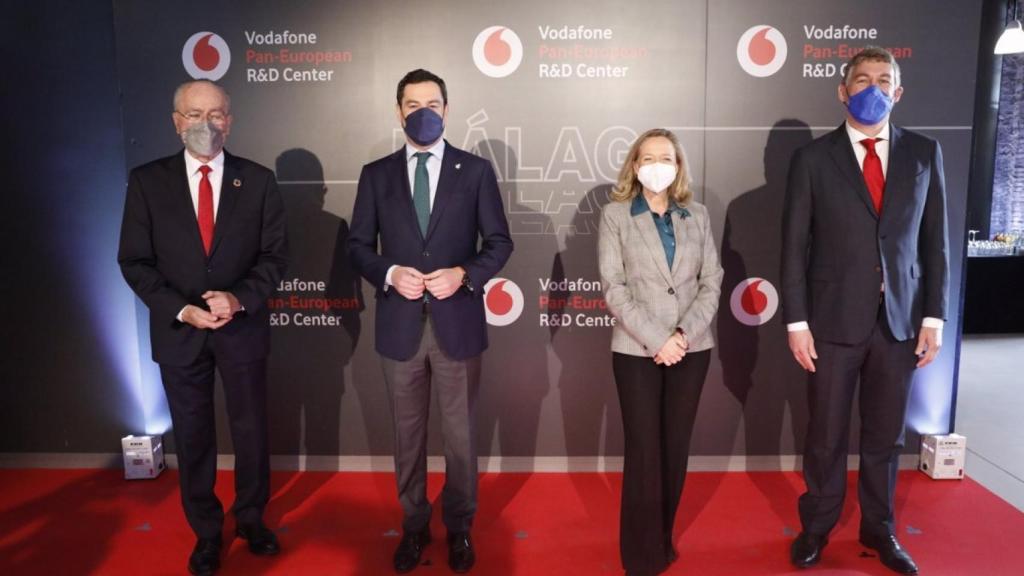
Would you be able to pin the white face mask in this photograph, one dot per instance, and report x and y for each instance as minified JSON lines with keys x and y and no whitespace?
{"x":656,"y":177}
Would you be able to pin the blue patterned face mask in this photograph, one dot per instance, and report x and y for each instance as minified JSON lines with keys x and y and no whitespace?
{"x":870,"y":106}
{"x":424,"y":126}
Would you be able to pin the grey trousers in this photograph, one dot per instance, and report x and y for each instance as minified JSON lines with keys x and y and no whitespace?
{"x":409,"y":383}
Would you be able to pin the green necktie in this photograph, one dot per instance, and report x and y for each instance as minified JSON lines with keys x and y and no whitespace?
{"x":421,"y":191}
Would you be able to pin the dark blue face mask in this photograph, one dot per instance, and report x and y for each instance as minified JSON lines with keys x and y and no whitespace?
{"x":424,"y":126}
{"x":870,"y":106}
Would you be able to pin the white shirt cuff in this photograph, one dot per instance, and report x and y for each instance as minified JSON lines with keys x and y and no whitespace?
{"x":937,"y":323}
{"x":178,"y":317}
{"x":387,"y":277}
{"x":797,"y":327}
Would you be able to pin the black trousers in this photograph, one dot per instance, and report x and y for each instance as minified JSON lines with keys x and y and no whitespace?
{"x":885,"y":368}
{"x":190,"y":397}
{"x":659,"y":405}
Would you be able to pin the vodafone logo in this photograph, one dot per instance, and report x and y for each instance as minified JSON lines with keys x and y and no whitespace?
{"x":206,"y":56}
{"x":497,"y":51}
{"x":503,"y":301}
{"x":754,"y":301}
{"x":761,"y":50}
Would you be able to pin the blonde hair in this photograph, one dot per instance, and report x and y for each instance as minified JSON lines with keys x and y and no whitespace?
{"x":628,"y":186}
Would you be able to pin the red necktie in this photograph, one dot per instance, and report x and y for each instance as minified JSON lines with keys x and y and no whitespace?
{"x":873,"y":176}
{"x":206,"y":208}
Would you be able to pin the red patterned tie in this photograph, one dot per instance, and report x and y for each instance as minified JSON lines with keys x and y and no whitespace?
{"x":873,"y":176}
{"x":206,"y":208}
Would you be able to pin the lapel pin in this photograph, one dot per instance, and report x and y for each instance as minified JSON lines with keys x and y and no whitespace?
{"x":458,"y":166}
{"x":237,"y":183}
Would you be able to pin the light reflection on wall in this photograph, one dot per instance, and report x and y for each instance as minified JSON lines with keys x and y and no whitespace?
{"x":121,"y":321}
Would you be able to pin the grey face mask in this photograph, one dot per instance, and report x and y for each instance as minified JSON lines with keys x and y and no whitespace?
{"x":203,"y":139}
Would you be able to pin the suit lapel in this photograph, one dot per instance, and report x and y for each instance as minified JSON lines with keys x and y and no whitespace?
{"x":231,"y":186}
{"x":451,"y":171}
{"x":649,"y":232}
{"x":842,"y":154}
{"x":897,"y":169}
{"x":398,"y":188}
{"x":183,"y":202}
{"x":679,"y":228}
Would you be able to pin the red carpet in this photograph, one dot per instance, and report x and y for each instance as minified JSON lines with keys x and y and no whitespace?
{"x":93,"y":522}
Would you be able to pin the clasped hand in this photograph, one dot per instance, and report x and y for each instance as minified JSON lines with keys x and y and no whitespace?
{"x":222,"y":308}
{"x":673,"y":350}
{"x":441,"y":283}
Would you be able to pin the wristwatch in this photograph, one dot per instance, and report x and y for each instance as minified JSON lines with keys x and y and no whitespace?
{"x":465,"y":282}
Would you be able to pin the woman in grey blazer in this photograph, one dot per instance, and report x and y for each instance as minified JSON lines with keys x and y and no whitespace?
{"x":661,"y":279}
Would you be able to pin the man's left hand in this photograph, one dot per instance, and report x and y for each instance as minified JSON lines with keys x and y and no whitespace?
{"x":929,"y":340}
{"x":444,"y":282}
{"x":222,"y":304}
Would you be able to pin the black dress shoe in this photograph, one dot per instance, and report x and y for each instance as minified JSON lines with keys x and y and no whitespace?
{"x":407,"y":556}
{"x":460,"y":552}
{"x":205,"y":558}
{"x":806,"y":549}
{"x":892,"y":555}
{"x":262,"y":540}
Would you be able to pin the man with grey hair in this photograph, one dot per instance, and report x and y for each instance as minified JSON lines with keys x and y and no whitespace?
{"x":203,"y":245}
{"x":865,"y":271}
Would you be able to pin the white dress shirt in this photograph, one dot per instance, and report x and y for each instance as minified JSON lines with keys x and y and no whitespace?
{"x":433,"y":171}
{"x":882,"y":149}
{"x":216,"y":177}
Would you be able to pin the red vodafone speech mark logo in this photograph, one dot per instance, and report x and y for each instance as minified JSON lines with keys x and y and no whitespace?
{"x":497,"y":51}
{"x":754,"y":301}
{"x":206,"y":56}
{"x":503,"y":301}
{"x":761,"y":50}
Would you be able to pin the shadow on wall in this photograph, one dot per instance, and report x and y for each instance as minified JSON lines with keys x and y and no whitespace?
{"x":757,"y":366}
{"x":512,"y":390}
{"x":307,"y":363}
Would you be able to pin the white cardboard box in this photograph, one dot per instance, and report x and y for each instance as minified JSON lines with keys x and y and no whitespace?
{"x":143,"y":456}
{"x":943,"y":455}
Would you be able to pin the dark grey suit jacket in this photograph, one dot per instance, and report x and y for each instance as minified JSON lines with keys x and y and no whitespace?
{"x":837,"y":251}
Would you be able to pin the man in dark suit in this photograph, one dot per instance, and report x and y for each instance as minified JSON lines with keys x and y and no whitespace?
{"x":427,"y":207}
{"x":203,"y":245}
{"x":864,"y":284}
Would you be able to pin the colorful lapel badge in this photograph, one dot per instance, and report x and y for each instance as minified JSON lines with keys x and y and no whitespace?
{"x":237,"y":183}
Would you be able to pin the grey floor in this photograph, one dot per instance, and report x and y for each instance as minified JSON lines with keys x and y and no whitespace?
{"x":990,"y":411}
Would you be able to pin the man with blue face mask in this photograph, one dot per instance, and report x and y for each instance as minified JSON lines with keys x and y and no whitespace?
{"x":428,"y":231}
{"x":864,"y":291}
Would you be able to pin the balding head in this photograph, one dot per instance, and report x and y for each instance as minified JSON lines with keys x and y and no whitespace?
{"x":203,"y":86}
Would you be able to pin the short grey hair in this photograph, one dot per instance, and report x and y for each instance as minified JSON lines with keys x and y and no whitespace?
{"x":179,"y":92}
{"x":873,"y":54}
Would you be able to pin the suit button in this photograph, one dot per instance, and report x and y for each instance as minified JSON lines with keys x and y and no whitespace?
{"x":671,"y":290}
{"x":427,"y":254}
{"x":209,"y":269}
{"x":878,"y":268}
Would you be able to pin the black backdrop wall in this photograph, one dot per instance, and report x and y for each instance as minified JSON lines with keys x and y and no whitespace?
{"x":742,"y":82}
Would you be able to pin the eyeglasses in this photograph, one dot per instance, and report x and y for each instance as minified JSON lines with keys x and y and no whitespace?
{"x":215,"y":116}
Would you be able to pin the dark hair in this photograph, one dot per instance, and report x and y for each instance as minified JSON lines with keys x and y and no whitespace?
{"x":418,"y":76}
{"x":873,"y":54}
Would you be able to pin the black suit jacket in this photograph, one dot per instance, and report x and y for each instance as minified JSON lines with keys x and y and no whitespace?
{"x":837,"y":251}
{"x":162,"y":257}
{"x":467,"y":228}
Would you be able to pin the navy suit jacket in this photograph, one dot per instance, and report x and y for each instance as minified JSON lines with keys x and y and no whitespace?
{"x":467,"y":228}
{"x":162,"y":257}
{"x":837,"y":250}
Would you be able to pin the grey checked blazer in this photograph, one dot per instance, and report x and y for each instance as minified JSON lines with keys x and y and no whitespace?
{"x":648,"y":299}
